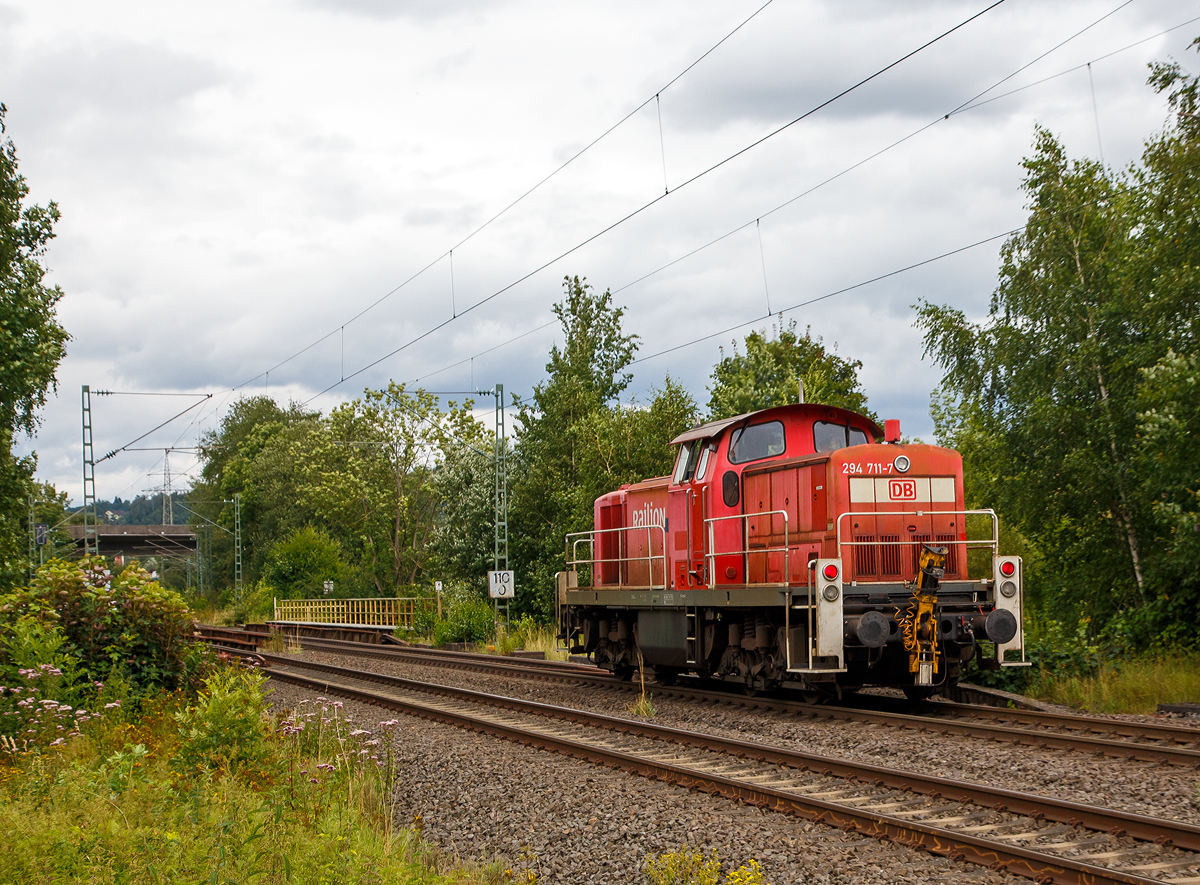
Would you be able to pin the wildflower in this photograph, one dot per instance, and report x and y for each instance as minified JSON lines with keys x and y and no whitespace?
{"x":313,"y":780}
{"x":112,"y":706}
{"x":57,"y":743}
{"x":325,"y":766}
{"x":358,"y":731}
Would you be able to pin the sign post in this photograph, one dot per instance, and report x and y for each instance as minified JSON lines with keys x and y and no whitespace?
{"x":41,"y":534}
{"x":501,"y":586}
{"x":437,"y":586}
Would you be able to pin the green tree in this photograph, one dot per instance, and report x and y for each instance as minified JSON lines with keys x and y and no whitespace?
{"x":1071,"y":399}
{"x":584,"y":375}
{"x":227,"y":454}
{"x":767,"y":374}
{"x":32,"y":343}
{"x":298,"y":566}
{"x":575,"y":444}
{"x":1169,"y":425}
{"x":380,"y":483}
{"x":464,"y":538}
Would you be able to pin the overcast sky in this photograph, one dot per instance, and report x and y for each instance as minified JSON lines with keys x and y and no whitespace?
{"x":237,"y":181}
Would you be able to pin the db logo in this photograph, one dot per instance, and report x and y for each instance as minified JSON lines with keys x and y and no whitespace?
{"x":902,"y":489}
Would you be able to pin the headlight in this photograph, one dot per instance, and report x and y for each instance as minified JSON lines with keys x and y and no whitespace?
{"x":830,"y":593}
{"x":1008,"y":589}
{"x":902,"y":463}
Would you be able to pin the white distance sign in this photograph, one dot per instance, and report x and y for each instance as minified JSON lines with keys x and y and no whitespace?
{"x":500,"y":585}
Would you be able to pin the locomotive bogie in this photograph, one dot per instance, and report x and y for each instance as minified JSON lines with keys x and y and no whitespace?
{"x":788,"y":549}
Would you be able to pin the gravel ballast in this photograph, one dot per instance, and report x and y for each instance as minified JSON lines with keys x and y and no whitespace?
{"x":1154,"y":789}
{"x":480,"y":798}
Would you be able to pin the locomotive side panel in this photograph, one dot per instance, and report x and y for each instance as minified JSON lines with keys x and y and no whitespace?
{"x":644,"y":562}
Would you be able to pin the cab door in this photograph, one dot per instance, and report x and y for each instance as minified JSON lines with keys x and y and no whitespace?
{"x":686,"y":512}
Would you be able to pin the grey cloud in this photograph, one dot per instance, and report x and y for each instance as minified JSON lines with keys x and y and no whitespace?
{"x":421,"y":10}
{"x":117,"y":98}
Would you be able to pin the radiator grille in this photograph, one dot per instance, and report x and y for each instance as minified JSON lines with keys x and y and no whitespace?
{"x":864,"y":556}
{"x":890,"y":556}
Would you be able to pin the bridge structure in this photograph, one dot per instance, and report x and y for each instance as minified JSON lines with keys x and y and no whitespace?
{"x":135,"y":540}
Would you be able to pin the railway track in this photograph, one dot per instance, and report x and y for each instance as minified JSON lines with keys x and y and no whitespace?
{"x":1146,"y":742}
{"x":1037,"y":837}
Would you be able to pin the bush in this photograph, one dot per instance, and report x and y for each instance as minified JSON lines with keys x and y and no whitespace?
{"x":226,"y":729}
{"x":469,"y":618}
{"x":298,"y":566}
{"x":687,"y":867}
{"x":77,"y":614}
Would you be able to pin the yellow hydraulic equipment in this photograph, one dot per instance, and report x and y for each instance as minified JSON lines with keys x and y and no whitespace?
{"x":919,"y":621}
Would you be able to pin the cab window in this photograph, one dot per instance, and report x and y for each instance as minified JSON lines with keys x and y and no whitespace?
{"x":756,"y":442}
{"x":689,"y":456}
{"x":829,"y":437}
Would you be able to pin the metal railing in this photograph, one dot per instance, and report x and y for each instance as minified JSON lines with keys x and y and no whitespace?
{"x":388,"y":611}
{"x":992,"y":543}
{"x":710,"y":557}
{"x":622,"y":561}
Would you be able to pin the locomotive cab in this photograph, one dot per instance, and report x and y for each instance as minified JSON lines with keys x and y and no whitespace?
{"x":801,"y":547}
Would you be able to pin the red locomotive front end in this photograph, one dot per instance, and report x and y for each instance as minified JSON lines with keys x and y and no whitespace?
{"x":794,"y":547}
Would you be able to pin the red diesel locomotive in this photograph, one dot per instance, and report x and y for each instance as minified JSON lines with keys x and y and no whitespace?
{"x":800,"y":547}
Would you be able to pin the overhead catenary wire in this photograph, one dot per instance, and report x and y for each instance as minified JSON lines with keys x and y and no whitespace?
{"x":207,"y":397}
{"x":978,"y":104}
{"x":694,"y":178}
{"x":841,"y":291}
{"x":523,"y":196}
{"x":969,"y":105}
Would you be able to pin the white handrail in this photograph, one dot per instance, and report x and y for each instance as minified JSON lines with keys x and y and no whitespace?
{"x":993,"y":543}
{"x":574,"y":539}
{"x":710,"y":556}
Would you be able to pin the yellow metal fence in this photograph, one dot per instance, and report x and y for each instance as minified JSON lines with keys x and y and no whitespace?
{"x":396,"y":611}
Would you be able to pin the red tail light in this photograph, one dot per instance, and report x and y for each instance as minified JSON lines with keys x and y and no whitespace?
{"x":1007,"y":568}
{"x":831,"y":572}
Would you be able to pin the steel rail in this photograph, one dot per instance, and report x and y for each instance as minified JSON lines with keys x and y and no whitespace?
{"x":1121,"y":749}
{"x":959,"y":845}
{"x":1139,"y":826}
{"x":1033,"y":737}
{"x":1152,"y":730}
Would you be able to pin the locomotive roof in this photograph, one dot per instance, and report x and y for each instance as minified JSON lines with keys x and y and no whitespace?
{"x":815,"y":410}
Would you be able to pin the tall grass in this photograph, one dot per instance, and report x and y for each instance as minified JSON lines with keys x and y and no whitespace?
{"x":213,"y":791}
{"x":529,"y":635}
{"x":1130,"y":686}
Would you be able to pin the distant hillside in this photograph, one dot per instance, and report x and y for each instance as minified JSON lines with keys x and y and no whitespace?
{"x":142,"y":510}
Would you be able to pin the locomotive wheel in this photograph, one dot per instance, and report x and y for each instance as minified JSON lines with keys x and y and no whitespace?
{"x":666,"y":675}
{"x":918,"y":692}
{"x":624,"y":672}
{"x":812,"y":698}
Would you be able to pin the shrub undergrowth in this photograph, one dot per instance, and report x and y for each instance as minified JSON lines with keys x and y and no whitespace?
{"x":212,"y":791}
{"x":690,"y":867}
